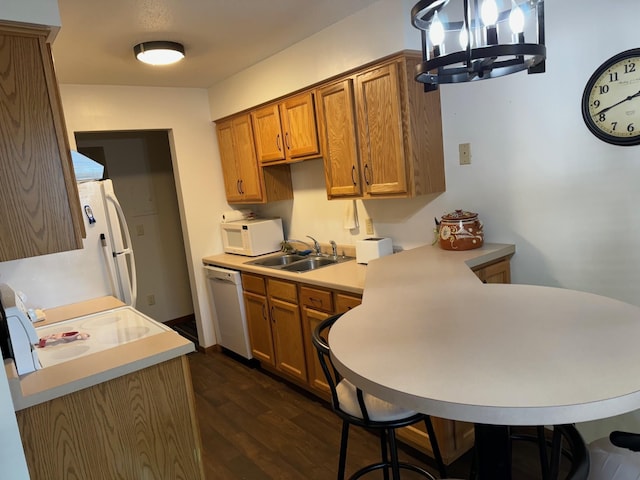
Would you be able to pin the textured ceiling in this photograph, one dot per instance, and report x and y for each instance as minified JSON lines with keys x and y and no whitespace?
{"x":221,"y":37}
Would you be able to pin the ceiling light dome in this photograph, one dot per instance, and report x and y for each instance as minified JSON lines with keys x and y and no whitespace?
{"x":159,"y":52}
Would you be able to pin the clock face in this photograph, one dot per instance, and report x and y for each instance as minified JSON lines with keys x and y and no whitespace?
{"x":611,"y":100}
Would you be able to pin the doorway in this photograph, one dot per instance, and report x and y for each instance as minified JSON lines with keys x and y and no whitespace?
{"x":140,"y":167}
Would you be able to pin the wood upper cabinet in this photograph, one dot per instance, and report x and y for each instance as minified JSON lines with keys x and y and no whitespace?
{"x":39,"y":205}
{"x":244,"y":179}
{"x":392,"y":145}
{"x":337,"y":129}
{"x":286,"y":131}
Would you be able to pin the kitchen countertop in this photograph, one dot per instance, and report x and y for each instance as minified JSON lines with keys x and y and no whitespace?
{"x":68,"y":377}
{"x":351,"y":276}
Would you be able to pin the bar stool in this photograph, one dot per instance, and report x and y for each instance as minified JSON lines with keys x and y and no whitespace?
{"x":356,"y":407}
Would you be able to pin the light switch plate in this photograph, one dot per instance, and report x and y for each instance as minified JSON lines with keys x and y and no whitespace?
{"x":465,"y":153}
{"x":369,"y":226}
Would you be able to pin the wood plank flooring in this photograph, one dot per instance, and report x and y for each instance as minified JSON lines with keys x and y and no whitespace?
{"x":257,"y":427}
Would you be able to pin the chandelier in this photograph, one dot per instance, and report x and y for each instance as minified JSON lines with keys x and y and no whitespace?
{"x":469,"y":40}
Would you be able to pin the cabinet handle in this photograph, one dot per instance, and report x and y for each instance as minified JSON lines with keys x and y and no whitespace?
{"x":316,"y":300}
{"x":264,"y":311}
{"x":278,"y":143}
{"x":240,"y":189}
{"x":238,"y":186}
{"x":353,"y":175}
{"x":273,"y":319}
{"x":286,"y":141}
{"x":367,"y":174}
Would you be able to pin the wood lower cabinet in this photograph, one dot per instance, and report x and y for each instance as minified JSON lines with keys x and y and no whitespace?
{"x":497,"y":272}
{"x":244,"y":180}
{"x":286,"y":131}
{"x":141,"y":425}
{"x":39,"y":204}
{"x":274,"y":324}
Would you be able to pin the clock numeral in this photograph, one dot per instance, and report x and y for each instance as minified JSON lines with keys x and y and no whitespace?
{"x":630,"y":128}
{"x":613,"y":126}
{"x":630,"y":68}
{"x":613,"y":77}
{"x":602,"y":117}
{"x":596,"y":103}
{"x":604,"y":89}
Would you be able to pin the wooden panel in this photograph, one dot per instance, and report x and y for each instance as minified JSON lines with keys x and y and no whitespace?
{"x":141,"y":425}
{"x":299,"y":126}
{"x":317,"y":381}
{"x":250,"y":173}
{"x":39,"y":203}
{"x":268,"y":134}
{"x":498,"y":272}
{"x":230,"y":173}
{"x":346,"y":302}
{"x":287,"y":338}
{"x":380,"y":131}
{"x":283,"y":290}
{"x":454,"y":438}
{"x":316,"y":298}
{"x":259,"y":326}
{"x":253,"y":283}
{"x":337,"y":128}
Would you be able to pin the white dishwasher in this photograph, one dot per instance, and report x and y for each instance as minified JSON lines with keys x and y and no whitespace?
{"x":229,"y":316}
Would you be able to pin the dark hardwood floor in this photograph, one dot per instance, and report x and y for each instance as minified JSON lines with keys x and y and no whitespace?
{"x":257,"y":427}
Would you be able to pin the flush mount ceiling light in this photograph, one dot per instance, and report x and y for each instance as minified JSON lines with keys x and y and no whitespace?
{"x":159,"y":52}
{"x":469,"y":40}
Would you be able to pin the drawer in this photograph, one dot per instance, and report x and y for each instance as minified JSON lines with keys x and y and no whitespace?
{"x":346,"y":302}
{"x":282,"y":290}
{"x":253,"y":283}
{"x":316,"y":299}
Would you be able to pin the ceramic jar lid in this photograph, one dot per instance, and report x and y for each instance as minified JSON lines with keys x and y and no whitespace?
{"x":459,"y":215}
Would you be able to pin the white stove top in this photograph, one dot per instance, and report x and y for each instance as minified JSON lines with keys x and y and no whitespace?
{"x":106,"y":330}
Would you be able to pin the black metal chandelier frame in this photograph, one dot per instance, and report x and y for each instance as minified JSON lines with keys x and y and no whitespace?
{"x":479,"y":62}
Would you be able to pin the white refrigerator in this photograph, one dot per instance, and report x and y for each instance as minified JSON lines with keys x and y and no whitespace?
{"x":105,"y":266}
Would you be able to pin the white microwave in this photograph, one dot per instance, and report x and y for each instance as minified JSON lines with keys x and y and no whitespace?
{"x":252,"y":237}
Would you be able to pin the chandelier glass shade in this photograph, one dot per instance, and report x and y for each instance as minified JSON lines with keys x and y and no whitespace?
{"x":469,"y":40}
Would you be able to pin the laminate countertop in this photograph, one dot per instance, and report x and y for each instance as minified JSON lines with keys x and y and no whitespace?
{"x":351,"y":277}
{"x":68,"y":377}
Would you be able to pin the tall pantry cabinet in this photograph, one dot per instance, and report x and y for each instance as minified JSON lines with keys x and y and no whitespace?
{"x":39,"y":205}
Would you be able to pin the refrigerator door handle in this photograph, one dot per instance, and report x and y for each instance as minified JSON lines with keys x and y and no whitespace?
{"x":127,"y":250}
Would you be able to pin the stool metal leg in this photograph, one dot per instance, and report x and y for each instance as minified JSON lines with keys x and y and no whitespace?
{"x":344,"y":437}
{"x":442,"y":470}
{"x":384,"y":453}
{"x":393,"y":447}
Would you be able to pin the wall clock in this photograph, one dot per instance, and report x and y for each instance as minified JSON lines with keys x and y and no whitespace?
{"x":611,"y":99}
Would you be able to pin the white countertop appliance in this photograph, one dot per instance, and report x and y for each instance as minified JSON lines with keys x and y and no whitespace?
{"x":252,"y":237}
{"x":19,"y":333}
{"x":371,"y":248}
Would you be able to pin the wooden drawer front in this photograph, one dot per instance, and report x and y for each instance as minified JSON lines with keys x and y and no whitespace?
{"x":282,"y":290}
{"x":253,"y":283}
{"x":316,"y":299}
{"x":346,"y":302}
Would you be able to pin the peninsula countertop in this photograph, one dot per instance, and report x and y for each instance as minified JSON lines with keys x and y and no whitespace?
{"x":438,"y":341}
{"x":64,"y":378}
{"x":351,"y":276}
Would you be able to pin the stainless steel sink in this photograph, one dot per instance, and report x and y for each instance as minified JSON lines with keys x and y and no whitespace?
{"x":277,"y":261}
{"x":298,"y":263}
{"x":310,"y":264}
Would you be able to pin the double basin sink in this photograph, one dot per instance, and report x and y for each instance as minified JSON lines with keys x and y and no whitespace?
{"x":292,"y":262}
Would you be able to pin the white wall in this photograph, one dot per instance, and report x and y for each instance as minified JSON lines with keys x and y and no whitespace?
{"x":538,"y":178}
{"x":198,"y":173}
{"x":40,"y":12}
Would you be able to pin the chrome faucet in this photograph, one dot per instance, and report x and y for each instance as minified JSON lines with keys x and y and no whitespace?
{"x":316,"y":245}
{"x":334,"y":249}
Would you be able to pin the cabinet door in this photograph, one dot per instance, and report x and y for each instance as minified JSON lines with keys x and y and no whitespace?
{"x":242,"y":181}
{"x":299,"y":126}
{"x":287,"y":339}
{"x":337,"y":125}
{"x":499,"y":272}
{"x":310,"y":319}
{"x":39,"y":204}
{"x":380,"y":131}
{"x":268,"y":134}
{"x":259,"y":327}
{"x":346,"y":302}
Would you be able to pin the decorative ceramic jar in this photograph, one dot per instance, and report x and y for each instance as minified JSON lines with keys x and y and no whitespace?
{"x":460,"y":230}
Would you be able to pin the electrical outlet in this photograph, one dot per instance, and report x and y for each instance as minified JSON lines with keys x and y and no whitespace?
{"x":465,"y":153}
{"x":369,"y":226}
{"x":140,"y":229}
{"x":151,"y":299}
